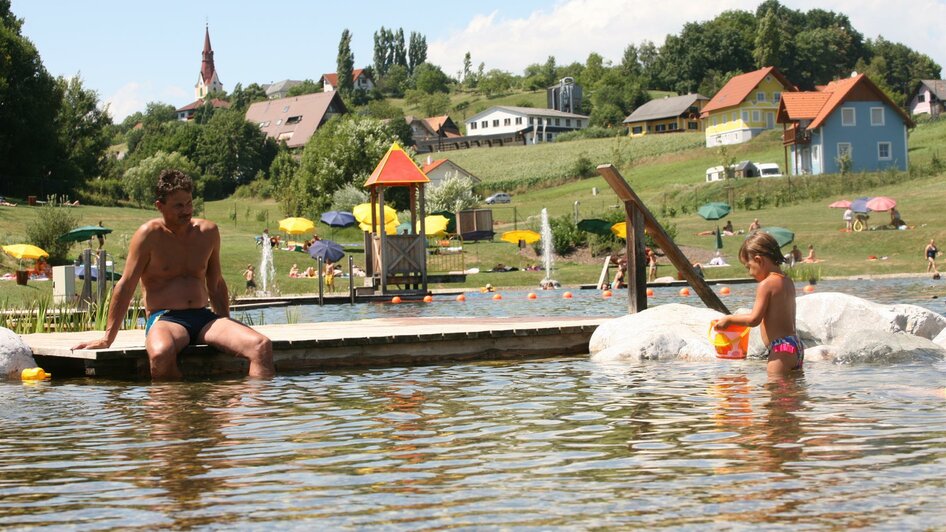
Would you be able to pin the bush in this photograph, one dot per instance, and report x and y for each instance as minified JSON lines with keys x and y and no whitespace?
{"x":565,"y":235}
{"x":594,"y":132}
{"x":52,"y":221}
{"x":345,"y":198}
{"x":453,"y":194}
{"x":583,"y":167}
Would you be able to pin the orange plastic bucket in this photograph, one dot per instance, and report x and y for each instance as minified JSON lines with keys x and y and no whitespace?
{"x":731,"y":342}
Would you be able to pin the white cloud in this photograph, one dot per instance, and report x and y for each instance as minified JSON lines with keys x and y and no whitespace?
{"x":128,"y":99}
{"x":574,"y":28}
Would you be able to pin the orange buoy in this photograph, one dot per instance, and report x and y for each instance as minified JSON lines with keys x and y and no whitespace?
{"x":396,"y":299}
{"x":684,"y":291}
{"x":461,"y":298}
{"x":724,"y":290}
{"x":650,"y":292}
{"x":532,"y":295}
{"x":606,"y":293}
{"x":567,"y":295}
{"x":809,"y":288}
{"x":428,"y":299}
{"x":497,"y":297}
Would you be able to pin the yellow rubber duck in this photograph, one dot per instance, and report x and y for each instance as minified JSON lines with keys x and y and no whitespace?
{"x":35,"y":374}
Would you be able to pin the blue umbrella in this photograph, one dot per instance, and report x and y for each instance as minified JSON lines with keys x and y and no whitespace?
{"x":338,"y":218}
{"x":860,"y":205}
{"x":326,"y":250}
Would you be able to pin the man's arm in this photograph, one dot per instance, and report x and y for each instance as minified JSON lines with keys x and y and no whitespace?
{"x":216,"y":285}
{"x":135,"y":264}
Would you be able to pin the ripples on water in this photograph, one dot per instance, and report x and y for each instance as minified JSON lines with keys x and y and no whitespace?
{"x":537,"y":444}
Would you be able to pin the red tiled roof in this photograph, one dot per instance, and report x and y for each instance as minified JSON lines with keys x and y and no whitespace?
{"x":217,"y":103}
{"x":396,"y":168}
{"x":332,"y":78}
{"x":838,"y":92}
{"x":428,"y":167}
{"x":739,"y":87}
{"x":801,"y":105}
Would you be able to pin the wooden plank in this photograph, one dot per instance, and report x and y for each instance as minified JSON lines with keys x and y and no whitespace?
{"x":603,"y":278}
{"x":670,"y":249}
{"x":636,"y":260}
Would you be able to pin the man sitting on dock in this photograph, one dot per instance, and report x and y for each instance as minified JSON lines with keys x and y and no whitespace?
{"x":177,"y":259}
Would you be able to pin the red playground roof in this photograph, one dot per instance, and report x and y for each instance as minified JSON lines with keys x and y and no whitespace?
{"x":396,"y":168}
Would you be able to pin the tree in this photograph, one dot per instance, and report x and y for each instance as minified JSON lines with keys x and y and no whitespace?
{"x":345,"y":64}
{"x":434,"y":104}
{"x":282,"y":173}
{"x":241,"y":98}
{"x":29,"y":104}
{"x":594,"y":71}
{"x":468,"y":80}
{"x":308,"y":86}
{"x":232,"y":149}
{"x":380,"y":56}
{"x":430,"y":79}
{"x":344,"y":150}
{"x":417,"y":54}
{"x":399,"y":49}
{"x":495,"y":82}
{"x":770,"y":42}
{"x":83,"y":136}
{"x":51,"y":223}
{"x":396,"y":81}
{"x":453,"y":194}
{"x":140,"y":180}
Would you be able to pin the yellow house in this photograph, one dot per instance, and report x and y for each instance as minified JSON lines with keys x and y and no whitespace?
{"x":744,"y":107}
{"x":667,"y":115}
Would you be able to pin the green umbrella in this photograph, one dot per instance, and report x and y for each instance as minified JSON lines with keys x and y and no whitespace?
{"x":84,"y":233}
{"x":714,"y":210}
{"x":783,"y":236}
{"x":596,"y":226}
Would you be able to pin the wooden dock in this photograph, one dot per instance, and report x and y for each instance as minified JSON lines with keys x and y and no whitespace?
{"x":314,"y":346}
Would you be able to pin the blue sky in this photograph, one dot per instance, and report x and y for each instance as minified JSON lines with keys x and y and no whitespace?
{"x":132,"y":52}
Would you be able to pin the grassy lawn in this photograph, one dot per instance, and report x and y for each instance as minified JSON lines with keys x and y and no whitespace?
{"x":653,"y":166}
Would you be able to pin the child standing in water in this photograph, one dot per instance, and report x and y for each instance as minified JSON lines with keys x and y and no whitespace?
{"x":774,"y":307}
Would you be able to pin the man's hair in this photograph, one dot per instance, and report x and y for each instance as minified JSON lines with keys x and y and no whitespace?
{"x":171,"y":181}
{"x":762,"y":244}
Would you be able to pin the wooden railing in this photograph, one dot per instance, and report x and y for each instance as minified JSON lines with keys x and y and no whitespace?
{"x":796,"y":135}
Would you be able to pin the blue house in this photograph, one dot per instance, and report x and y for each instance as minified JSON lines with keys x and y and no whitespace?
{"x":850,"y":122}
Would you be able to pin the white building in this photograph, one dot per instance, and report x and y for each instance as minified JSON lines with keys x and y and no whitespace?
{"x":535,"y":125}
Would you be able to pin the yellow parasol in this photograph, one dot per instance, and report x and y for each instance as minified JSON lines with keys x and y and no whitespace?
{"x":362,"y":213}
{"x":513,"y":237}
{"x":620,"y":230}
{"x":296,"y":226}
{"x":435,"y":225}
{"x":389,"y":228}
{"x":24,"y":251}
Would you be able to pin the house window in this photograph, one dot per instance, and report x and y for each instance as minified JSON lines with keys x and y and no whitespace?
{"x":673,"y":126}
{"x":844,"y":150}
{"x":285,"y":109}
{"x":876,"y":116}
{"x":921,"y":98}
{"x":507,"y":121}
{"x":714,"y":121}
{"x":518,"y":120}
{"x":637,"y":130}
{"x":495,"y":122}
{"x":776,"y":97}
{"x":883,"y":151}
{"x":578,"y":123}
{"x":847,"y":117}
{"x":568,"y":122}
{"x":693,"y":125}
{"x":735,"y":117}
{"x":472,"y":125}
{"x":558,"y":122}
{"x":745,"y":116}
{"x":661,"y":127}
{"x":760,"y":96}
{"x":279,"y":122}
{"x":484,"y":124}
{"x":755,"y":116}
{"x":294,"y":119}
{"x":548,"y":137}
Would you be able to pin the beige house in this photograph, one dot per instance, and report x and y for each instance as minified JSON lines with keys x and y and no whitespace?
{"x":294,"y":120}
{"x":439,"y":170}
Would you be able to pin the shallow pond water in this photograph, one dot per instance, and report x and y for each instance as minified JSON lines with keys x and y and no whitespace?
{"x":537,"y":444}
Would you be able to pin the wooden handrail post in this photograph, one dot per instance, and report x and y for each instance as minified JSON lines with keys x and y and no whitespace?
{"x":636,"y":266}
{"x":677,"y":258}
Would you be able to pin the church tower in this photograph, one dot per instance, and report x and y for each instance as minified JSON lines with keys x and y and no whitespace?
{"x":207,"y":81}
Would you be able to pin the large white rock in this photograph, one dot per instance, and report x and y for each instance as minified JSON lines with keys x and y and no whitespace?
{"x":15,"y":356}
{"x":871,"y":346}
{"x":830,"y":316}
{"x":661,"y":332}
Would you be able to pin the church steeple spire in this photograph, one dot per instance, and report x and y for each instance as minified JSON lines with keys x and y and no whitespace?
{"x":208,"y":81}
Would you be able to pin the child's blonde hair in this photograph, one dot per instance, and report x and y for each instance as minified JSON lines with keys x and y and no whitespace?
{"x":762,"y":244}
